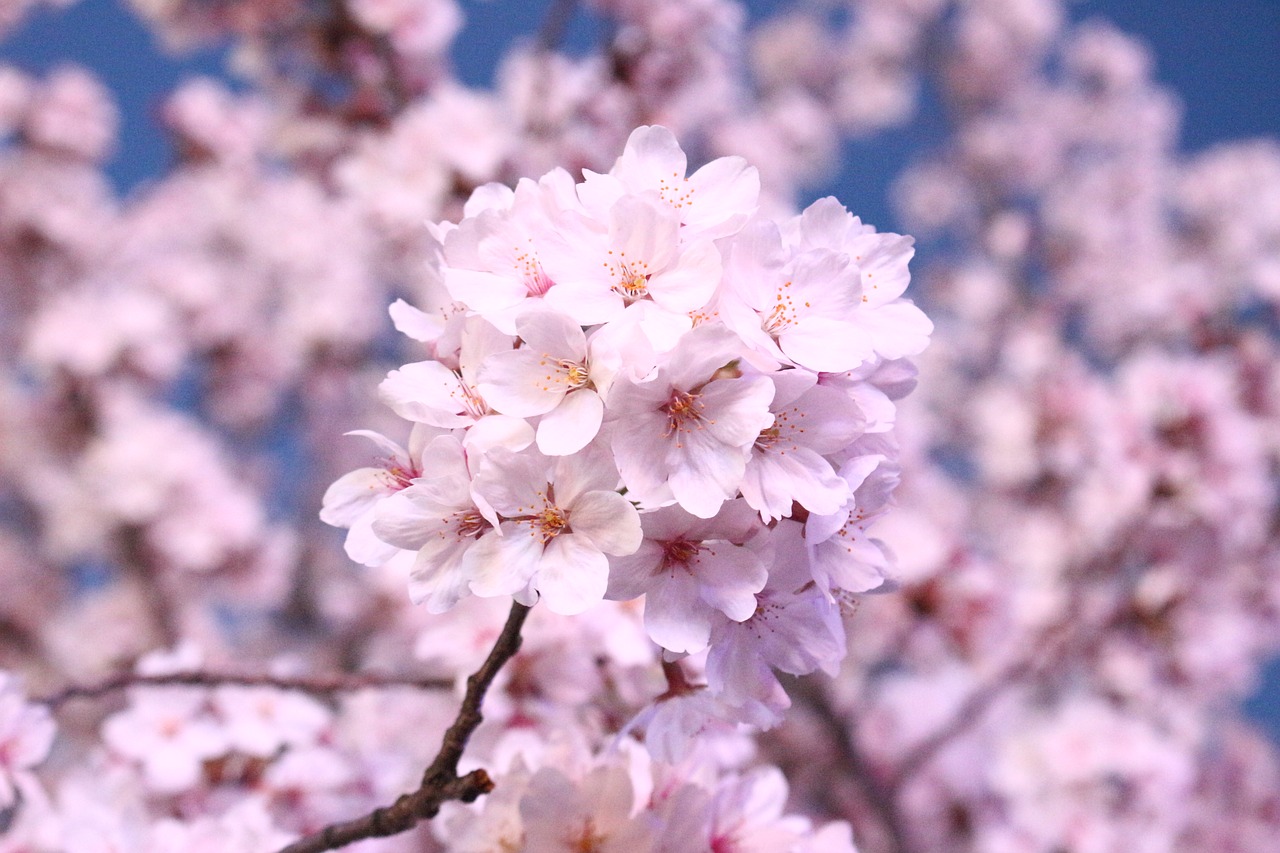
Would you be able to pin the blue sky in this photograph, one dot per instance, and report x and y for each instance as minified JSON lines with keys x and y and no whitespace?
{"x":1222,"y":58}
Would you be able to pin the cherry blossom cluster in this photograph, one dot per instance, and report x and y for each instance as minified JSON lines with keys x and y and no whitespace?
{"x":641,"y":388}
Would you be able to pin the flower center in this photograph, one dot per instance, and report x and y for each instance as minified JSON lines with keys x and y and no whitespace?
{"x":681,"y":407}
{"x":782,"y":315}
{"x":535,"y":278}
{"x":469,"y":523}
{"x":538,"y":282}
{"x":397,"y":475}
{"x":680,"y":552}
{"x":472,"y":403}
{"x":550,"y":523}
{"x":575,"y":374}
{"x":768,"y":437}
{"x":631,"y":281}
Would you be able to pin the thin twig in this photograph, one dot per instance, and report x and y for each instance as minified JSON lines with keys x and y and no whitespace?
{"x":1047,"y":652}
{"x":440,"y":782}
{"x":324,"y":685}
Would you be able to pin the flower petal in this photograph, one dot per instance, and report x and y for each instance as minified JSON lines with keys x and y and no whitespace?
{"x":572,"y":574}
{"x":609,"y":521}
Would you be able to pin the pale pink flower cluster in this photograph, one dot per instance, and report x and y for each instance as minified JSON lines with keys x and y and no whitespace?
{"x":26,"y":734}
{"x":559,"y":796}
{"x":641,"y":388}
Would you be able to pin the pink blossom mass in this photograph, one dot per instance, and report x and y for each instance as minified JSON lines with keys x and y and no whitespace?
{"x":574,"y":458}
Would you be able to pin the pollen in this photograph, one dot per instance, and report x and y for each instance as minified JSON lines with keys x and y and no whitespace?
{"x":575,"y":375}
{"x":681,"y":408}
{"x":680,"y":553}
{"x":782,"y":315}
{"x":676,"y":192}
{"x":549,"y":523}
{"x":631,"y":280}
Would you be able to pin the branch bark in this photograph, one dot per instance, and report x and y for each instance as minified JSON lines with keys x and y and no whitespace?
{"x":440,"y":782}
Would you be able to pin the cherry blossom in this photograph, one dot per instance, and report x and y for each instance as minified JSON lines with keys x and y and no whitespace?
{"x":559,"y":521}
{"x":699,"y":422}
{"x":26,"y":734}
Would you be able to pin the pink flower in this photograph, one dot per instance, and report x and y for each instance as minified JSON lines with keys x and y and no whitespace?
{"x":685,"y":434}
{"x":688,"y":568}
{"x":352,"y":499}
{"x":558,"y":521}
{"x":549,"y":375}
{"x":714,"y":201}
{"x":438,"y":517}
{"x":562,"y":815}
{"x":429,"y":392}
{"x":26,"y":734}
{"x":261,"y":720}
{"x":788,"y":461}
{"x":795,"y":628}
{"x":492,"y":260}
{"x":168,"y":732}
{"x":634,"y":251}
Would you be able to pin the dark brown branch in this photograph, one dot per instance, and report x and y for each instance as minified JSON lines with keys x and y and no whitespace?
{"x":325,"y":685}
{"x":440,"y":782}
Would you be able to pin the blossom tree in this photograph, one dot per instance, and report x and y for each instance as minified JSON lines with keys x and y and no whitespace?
{"x":642,"y":536}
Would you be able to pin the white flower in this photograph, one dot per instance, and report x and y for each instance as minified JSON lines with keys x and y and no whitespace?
{"x":352,"y":499}
{"x":685,"y":435}
{"x":439,"y":518}
{"x":795,"y":628}
{"x":562,"y":815}
{"x":170,"y":733}
{"x":549,"y":375}
{"x":788,"y":461}
{"x":261,"y":720}
{"x":633,"y":252}
{"x":712,"y":202}
{"x":558,"y":523}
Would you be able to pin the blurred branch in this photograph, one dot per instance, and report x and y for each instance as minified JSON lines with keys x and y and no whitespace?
{"x":880,"y":797}
{"x":1076,"y":633}
{"x":440,"y":782}
{"x":554,"y":23}
{"x":315,"y":685}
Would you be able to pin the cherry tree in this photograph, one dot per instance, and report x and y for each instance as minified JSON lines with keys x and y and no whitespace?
{"x":546,"y":467}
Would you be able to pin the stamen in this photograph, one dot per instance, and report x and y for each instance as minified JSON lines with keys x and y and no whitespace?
{"x":397,"y":475}
{"x":632,"y":282}
{"x":470,"y":523}
{"x":550,"y":523}
{"x":768,"y":437}
{"x":681,"y":408}
{"x":576,"y":375}
{"x":680,"y":553}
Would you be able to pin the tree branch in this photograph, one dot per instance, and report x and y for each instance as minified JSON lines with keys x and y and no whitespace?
{"x":325,"y":685}
{"x":878,"y":796}
{"x":440,"y":781}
